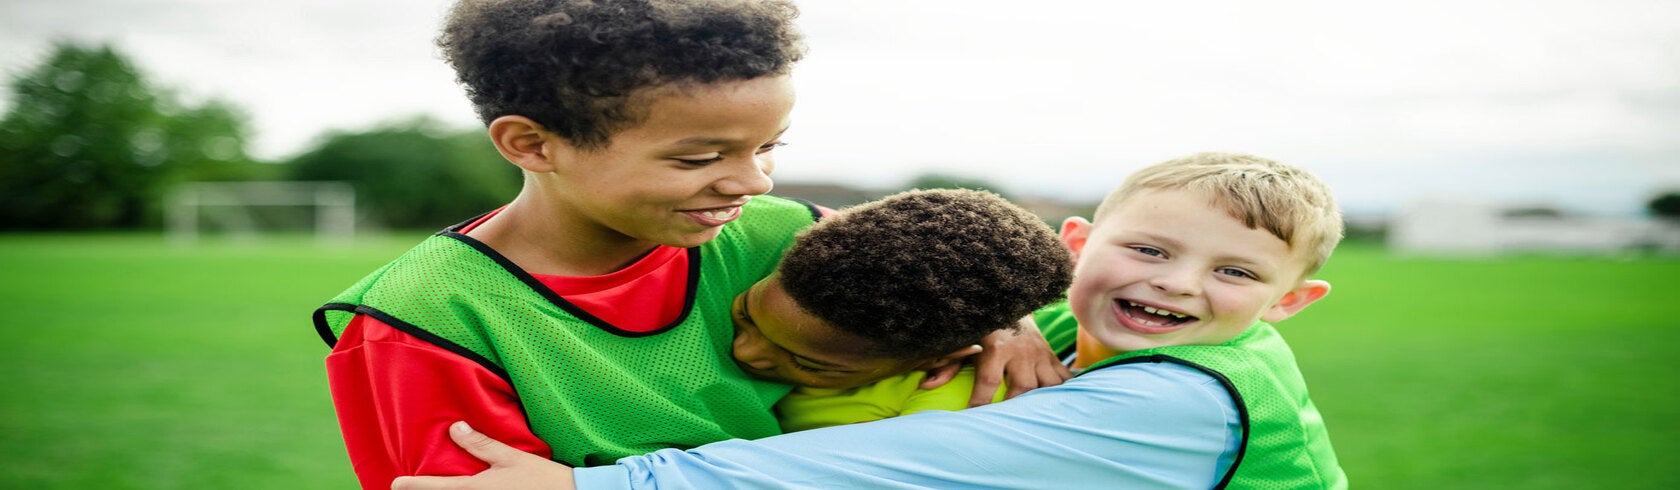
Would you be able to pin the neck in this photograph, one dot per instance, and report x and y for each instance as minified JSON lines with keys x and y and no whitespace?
{"x":542,"y":240}
{"x":1090,"y":351}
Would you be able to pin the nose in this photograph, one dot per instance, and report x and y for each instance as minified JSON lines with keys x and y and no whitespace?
{"x":747,"y":178}
{"x":1178,"y":281}
{"x":750,"y":349}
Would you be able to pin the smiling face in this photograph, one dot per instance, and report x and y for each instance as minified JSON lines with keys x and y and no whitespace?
{"x":1165,"y":267}
{"x":777,"y":340}
{"x":676,"y":177}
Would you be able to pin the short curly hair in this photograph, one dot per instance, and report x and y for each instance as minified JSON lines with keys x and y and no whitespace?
{"x":574,"y":66}
{"x":925,"y":272}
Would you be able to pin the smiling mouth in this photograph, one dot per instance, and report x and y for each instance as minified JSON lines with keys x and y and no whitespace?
{"x":715,"y":216}
{"x":1152,"y":316}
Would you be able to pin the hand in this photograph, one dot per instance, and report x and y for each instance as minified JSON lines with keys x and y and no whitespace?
{"x":1022,"y":355}
{"x":509,"y":468}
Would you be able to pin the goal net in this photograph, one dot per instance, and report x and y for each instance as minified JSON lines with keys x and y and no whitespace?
{"x":247,"y":210}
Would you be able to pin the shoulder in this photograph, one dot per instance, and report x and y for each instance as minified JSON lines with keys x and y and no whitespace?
{"x":1143,"y":397}
{"x":781,"y":205}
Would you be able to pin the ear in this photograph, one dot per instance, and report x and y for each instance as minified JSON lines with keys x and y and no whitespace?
{"x":1296,"y":300}
{"x":954,"y":357}
{"x":525,"y":143}
{"x":1075,"y":230}
{"x":942,"y":369}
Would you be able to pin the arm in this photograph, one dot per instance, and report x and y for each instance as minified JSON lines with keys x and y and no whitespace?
{"x":394,"y":393}
{"x":1135,"y":426}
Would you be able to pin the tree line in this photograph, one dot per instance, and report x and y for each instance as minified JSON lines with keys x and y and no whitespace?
{"x":90,"y":143}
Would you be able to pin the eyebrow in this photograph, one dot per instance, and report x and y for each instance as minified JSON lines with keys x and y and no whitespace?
{"x":709,"y":141}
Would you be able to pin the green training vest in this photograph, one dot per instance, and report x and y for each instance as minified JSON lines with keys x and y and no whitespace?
{"x":1285,"y":445}
{"x":593,"y":392}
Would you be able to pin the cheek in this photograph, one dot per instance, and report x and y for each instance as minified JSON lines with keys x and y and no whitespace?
{"x":1236,"y":303}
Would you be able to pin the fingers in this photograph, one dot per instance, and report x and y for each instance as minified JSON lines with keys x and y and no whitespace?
{"x":987,"y":378}
{"x":1041,"y":375}
{"x":482,"y":446}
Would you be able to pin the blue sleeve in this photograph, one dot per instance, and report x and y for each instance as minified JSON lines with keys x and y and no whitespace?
{"x":1131,"y":426}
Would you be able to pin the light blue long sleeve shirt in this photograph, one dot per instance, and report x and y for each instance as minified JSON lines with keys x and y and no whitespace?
{"x":1146,"y":425}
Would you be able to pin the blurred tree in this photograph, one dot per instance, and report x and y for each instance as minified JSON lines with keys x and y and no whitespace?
{"x":1666,"y":205}
{"x":89,"y":143}
{"x":414,"y":173}
{"x":945,"y":181}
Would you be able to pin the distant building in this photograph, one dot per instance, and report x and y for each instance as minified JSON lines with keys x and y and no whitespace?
{"x":1055,"y":211}
{"x":1482,"y":228}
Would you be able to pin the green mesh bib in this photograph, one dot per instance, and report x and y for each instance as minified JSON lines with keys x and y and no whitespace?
{"x":1285,"y":445}
{"x":592,"y":392}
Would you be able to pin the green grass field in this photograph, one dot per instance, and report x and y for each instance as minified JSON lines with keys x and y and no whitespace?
{"x":130,"y":363}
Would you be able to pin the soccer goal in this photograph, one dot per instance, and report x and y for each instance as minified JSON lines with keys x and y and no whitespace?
{"x":248,"y":209}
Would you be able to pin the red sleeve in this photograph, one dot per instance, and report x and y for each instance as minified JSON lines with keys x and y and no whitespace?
{"x":396,"y":396}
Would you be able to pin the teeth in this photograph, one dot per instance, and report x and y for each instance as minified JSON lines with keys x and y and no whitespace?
{"x":1158,"y":311}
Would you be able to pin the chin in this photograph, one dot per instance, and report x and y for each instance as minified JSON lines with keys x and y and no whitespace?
{"x":694,"y":239}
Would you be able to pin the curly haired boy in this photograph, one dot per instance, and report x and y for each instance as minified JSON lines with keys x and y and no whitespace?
{"x":588,"y":319}
{"x":906,"y":283}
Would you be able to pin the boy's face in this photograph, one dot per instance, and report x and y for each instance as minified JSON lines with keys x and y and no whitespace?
{"x":777,"y":340}
{"x":676,"y":177}
{"x":1167,"y":268}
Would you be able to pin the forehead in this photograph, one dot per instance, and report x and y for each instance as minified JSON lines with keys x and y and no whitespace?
{"x":720,"y":106}
{"x":781,"y":320}
{"x":1191,"y":217}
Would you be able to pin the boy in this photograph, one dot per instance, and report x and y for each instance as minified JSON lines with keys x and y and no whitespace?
{"x":589,"y":318}
{"x":1184,"y":382}
{"x":906,"y":283}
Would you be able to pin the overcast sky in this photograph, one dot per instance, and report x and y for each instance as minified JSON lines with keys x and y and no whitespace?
{"x":1573,"y":103}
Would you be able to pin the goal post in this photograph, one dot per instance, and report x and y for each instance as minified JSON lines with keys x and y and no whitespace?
{"x":234,"y":207}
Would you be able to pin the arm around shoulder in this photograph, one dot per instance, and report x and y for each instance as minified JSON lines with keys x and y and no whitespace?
{"x":1133,"y":426}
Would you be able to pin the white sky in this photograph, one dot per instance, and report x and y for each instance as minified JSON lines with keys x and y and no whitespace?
{"x":1569,"y":103}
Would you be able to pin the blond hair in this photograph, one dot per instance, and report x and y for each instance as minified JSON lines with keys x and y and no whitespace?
{"x":1286,"y":201}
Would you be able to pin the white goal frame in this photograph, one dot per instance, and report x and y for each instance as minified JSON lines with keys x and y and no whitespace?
{"x":229,"y":205}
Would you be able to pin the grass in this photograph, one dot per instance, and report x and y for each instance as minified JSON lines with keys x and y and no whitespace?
{"x":1528,"y":372}
{"x":131,"y":363}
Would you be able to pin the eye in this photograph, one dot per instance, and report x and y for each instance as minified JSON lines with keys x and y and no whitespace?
{"x":716,"y":157}
{"x":1235,"y":272}
{"x":1147,"y":250}
{"x":770,"y":146}
{"x":809,"y":369}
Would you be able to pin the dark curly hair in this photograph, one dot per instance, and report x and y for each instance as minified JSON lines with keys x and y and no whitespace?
{"x":922,"y":273}
{"x":574,"y":65}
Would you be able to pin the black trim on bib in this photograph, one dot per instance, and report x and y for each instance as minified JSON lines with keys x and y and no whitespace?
{"x":1242,"y":408}
{"x":816,"y":212}
{"x":325,"y":330}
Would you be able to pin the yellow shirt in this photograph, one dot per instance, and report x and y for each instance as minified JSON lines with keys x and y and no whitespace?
{"x":810,"y":408}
